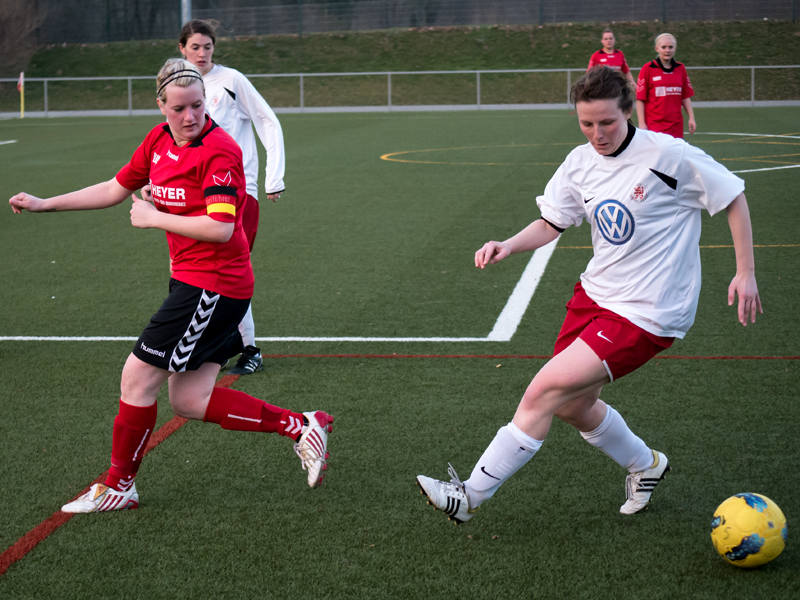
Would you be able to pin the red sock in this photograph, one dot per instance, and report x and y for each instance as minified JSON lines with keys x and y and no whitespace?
{"x":237,"y":411}
{"x":132,"y":428}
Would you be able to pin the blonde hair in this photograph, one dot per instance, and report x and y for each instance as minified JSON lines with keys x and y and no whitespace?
{"x":674,"y":39}
{"x":180,"y":72}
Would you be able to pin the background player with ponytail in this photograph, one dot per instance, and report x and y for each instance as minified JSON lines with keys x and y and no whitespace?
{"x":237,"y":107}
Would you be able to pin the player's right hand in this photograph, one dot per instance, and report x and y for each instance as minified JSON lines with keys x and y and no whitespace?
{"x":147,"y":193}
{"x":491,"y":253}
{"x":23,"y":201}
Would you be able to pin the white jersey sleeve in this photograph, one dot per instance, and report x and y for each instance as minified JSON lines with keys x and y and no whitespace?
{"x":269,"y":131}
{"x":704,"y":183}
{"x":561,"y":204}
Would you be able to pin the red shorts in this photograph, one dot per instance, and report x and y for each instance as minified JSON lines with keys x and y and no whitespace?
{"x":622,"y":346}
{"x":250,"y":220}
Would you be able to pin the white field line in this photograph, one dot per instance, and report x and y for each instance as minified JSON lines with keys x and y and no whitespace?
{"x":767,"y":169}
{"x":770,"y":135}
{"x":790,"y":137}
{"x":8,"y":142}
{"x":504,"y":328}
{"x":506,"y":325}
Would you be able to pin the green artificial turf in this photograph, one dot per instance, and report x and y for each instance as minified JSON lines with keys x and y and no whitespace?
{"x":360,"y":246}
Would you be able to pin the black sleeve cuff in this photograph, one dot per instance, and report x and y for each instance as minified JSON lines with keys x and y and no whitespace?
{"x":558,"y":229}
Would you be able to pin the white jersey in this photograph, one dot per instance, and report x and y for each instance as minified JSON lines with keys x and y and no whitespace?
{"x":236,"y":106}
{"x":644,"y":207}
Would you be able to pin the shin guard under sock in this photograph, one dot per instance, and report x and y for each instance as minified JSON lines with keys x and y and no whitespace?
{"x":510,"y":449}
{"x":132,"y":429}
{"x":237,"y":411}
{"x":616,"y":439}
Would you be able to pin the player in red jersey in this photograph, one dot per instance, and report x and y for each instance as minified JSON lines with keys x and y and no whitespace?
{"x":197,"y":180}
{"x":608,"y":56}
{"x":662,"y":90}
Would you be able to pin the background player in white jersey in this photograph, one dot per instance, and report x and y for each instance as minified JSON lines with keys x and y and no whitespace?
{"x":237,"y":107}
{"x":642,"y":193}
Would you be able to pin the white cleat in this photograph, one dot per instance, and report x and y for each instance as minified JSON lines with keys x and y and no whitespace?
{"x":101,"y":498}
{"x":450,"y":498}
{"x":313,"y":445}
{"x":639,"y":486}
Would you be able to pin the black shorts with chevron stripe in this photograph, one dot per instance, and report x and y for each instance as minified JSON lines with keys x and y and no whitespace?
{"x":192,"y":327}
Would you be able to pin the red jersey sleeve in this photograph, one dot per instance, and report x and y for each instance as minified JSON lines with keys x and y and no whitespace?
{"x":642,"y":83}
{"x":221,"y":181}
{"x":592,"y":61}
{"x":136,"y":173}
{"x":687,"y":90}
{"x":625,"y":68}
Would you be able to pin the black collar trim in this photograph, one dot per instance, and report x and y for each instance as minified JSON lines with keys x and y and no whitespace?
{"x":657,"y":63}
{"x":198,"y":141}
{"x":166,"y":128}
{"x":623,"y":146}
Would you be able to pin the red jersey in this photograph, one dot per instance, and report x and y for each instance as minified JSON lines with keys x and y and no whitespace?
{"x":203,"y":177}
{"x":663,"y":91}
{"x":615,"y":60}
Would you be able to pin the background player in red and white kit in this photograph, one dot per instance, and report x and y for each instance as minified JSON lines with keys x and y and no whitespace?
{"x":197,"y":183}
{"x":237,"y":107}
{"x":610,"y":57}
{"x":662,"y":90}
{"x":642,"y":194}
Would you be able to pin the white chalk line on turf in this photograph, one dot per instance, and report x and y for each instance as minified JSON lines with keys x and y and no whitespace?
{"x":767,"y":169}
{"x":504,"y":328}
{"x":8,"y":142}
{"x":768,"y":135}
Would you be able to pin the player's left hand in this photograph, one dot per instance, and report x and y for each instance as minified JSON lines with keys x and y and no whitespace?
{"x":692,"y":125}
{"x":142,"y":213}
{"x":744,"y":285}
{"x":274,"y":197}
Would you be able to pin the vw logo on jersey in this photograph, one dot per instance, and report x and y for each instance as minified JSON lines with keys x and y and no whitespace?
{"x":615,"y":222}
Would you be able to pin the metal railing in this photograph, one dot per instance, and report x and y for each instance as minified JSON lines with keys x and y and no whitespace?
{"x":391,"y":104}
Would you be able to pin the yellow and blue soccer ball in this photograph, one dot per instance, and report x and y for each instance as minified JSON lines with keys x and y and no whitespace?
{"x":748,"y":530}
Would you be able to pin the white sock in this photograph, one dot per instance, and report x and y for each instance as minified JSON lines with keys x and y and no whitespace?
{"x":615,"y":438}
{"x":510,"y":449}
{"x":248,"y":328}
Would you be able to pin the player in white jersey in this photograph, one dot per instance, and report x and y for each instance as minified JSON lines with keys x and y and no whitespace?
{"x":237,"y":107}
{"x":642,"y":193}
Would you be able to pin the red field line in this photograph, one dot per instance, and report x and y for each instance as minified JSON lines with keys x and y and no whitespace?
{"x":518,"y":356}
{"x":29,"y":541}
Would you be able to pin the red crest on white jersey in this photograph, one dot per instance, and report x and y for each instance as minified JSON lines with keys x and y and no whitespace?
{"x":639,"y":193}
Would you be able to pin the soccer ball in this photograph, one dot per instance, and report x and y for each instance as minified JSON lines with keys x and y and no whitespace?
{"x":748,"y":530}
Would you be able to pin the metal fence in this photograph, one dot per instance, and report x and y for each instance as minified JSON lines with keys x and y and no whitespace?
{"x":93,"y":21}
{"x":313,"y":17}
{"x":393,"y":91}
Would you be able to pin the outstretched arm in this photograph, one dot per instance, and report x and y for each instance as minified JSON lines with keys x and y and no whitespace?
{"x":744,"y":283}
{"x":101,"y":195}
{"x":535,"y":235}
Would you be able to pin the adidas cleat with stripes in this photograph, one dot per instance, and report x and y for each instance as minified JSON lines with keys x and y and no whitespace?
{"x":312,"y":447}
{"x":639,"y":486}
{"x":450,"y":498}
{"x":101,"y":498}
